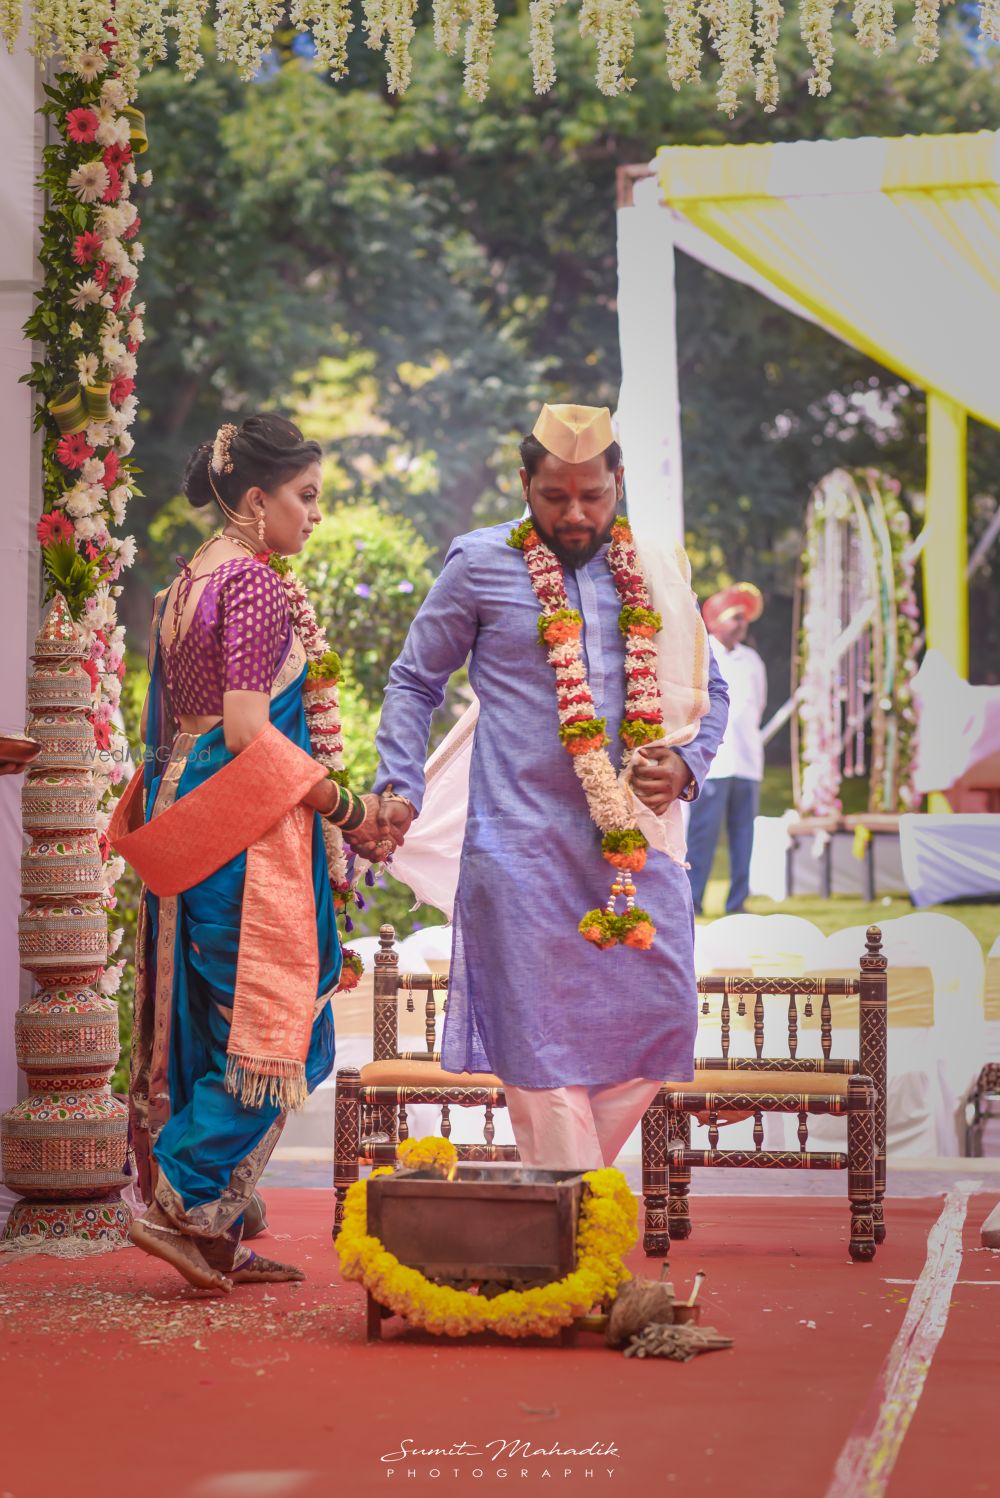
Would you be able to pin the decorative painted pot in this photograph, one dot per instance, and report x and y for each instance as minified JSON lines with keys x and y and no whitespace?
{"x":67,"y":741}
{"x":59,"y":637}
{"x":69,"y":937}
{"x":53,"y":801}
{"x":101,"y":1222}
{"x":64,"y":1031}
{"x":68,"y":865}
{"x":59,"y":686}
{"x":65,"y":1144}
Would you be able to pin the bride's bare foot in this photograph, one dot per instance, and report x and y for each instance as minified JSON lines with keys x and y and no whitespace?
{"x":155,"y":1236}
{"x":256,"y":1270}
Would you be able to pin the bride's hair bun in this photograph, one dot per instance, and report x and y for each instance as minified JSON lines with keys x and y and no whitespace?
{"x":265,"y":452}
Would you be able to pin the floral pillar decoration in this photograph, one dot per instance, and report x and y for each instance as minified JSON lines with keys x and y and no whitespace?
{"x":856,"y":646}
{"x":64,"y":1148}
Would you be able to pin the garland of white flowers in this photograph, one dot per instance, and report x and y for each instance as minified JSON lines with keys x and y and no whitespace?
{"x":743,"y":34}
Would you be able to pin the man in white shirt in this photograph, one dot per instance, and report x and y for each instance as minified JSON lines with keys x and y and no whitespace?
{"x":731,"y":790}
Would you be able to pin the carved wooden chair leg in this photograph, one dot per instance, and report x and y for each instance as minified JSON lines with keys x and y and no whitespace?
{"x":878,"y":1214}
{"x":655,"y":1178}
{"x":679,"y":1175}
{"x":861,"y":1132}
{"x":346,"y":1138}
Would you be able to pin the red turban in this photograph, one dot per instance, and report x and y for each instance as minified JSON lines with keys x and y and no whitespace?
{"x":741,"y":598}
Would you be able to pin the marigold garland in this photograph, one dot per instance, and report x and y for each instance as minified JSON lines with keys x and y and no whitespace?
{"x":583,"y":734}
{"x":606,"y":1231}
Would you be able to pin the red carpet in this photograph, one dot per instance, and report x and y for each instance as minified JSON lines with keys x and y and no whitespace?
{"x":113,"y":1374}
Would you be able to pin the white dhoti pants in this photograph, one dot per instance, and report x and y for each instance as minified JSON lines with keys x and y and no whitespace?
{"x":576,"y":1128}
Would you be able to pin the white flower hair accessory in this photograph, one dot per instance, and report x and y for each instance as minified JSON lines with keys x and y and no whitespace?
{"x":221,"y":461}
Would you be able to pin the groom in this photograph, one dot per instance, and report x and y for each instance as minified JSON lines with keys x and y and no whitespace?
{"x":581,"y":1035}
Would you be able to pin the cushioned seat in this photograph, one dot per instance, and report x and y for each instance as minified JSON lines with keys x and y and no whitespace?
{"x":395,"y":1073}
{"x":752,"y":1083}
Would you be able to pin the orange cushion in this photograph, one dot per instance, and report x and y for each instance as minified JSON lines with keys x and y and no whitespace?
{"x":799,"y":1084}
{"x":422,"y":1074}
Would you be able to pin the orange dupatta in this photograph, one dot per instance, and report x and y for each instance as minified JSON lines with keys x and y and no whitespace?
{"x":254,"y":804}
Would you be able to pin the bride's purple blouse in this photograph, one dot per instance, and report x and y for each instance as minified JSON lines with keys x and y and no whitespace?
{"x":235,"y":641}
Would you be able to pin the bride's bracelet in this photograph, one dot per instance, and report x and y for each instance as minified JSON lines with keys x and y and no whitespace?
{"x":390,"y":795}
{"x":349,"y":811}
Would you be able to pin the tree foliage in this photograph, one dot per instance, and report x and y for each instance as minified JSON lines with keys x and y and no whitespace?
{"x":423,"y":271}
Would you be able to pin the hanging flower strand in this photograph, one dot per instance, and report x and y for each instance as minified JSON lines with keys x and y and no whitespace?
{"x":770,"y":14}
{"x":543,"y":51}
{"x":480,"y":39}
{"x":816,"y":25}
{"x":683,"y":41}
{"x":875,"y":22}
{"x":609,"y":22}
{"x":449,"y":16}
{"x":926,"y":14}
{"x":734,"y":45}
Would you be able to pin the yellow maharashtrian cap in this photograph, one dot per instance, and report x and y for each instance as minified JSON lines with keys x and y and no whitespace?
{"x":574,"y":433}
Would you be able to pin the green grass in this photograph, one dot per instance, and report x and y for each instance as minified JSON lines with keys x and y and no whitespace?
{"x":837,"y":911}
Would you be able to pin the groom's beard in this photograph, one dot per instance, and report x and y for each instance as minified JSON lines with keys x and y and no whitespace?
{"x":579,"y":553}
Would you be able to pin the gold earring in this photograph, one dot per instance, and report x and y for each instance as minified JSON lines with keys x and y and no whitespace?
{"x":260,"y":528}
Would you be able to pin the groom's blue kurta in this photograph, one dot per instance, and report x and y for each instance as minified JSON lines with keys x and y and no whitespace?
{"x":528,"y":998}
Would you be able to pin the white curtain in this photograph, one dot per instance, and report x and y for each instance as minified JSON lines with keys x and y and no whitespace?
{"x":20,"y":214}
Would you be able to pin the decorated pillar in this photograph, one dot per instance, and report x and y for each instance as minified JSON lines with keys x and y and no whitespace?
{"x":64,"y":1147}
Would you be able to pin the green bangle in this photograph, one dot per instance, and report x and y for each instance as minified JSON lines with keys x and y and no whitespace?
{"x":341,"y":812}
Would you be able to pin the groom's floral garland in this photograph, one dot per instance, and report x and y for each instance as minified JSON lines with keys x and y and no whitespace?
{"x":321,"y":697}
{"x":583,"y":734}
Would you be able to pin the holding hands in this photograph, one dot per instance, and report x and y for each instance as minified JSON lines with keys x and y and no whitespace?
{"x":391,"y":824}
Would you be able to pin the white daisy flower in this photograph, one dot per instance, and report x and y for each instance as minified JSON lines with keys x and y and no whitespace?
{"x":127,"y":365}
{"x":86,"y":528}
{"x":138,"y":253}
{"x":146,"y":179}
{"x":75,"y":330}
{"x":89,"y":181}
{"x":112,"y":350}
{"x":126,"y":442}
{"x":92,"y":471}
{"x":114,"y":94}
{"x":125,"y":546}
{"x":90,"y":65}
{"x":99,"y":434}
{"x":81,"y":501}
{"x":84,"y":294}
{"x":129,"y":409}
{"x":107,"y":300}
{"x":129,"y":173}
{"x":87,"y":367}
{"x":136,"y":330}
{"x":118,"y":499}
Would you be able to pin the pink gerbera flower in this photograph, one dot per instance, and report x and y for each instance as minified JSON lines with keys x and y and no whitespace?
{"x":110,"y":469}
{"x":133,"y":227}
{"x":113,"y":190}
{"x":121,"y":389}
{"x":86,"y":247}
{"x":81,"y":125}
{"x":122,"y":290}
{"x":74,"y":450}
{"x":53,"y":528}
{"x":115,"y":157}
{"x":102,"y":271}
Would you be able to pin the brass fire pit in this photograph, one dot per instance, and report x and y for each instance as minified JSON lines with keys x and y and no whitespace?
{"x":496,"y":1226}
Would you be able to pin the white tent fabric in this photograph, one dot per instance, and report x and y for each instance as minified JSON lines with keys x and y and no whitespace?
{"x":893,"y":245}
